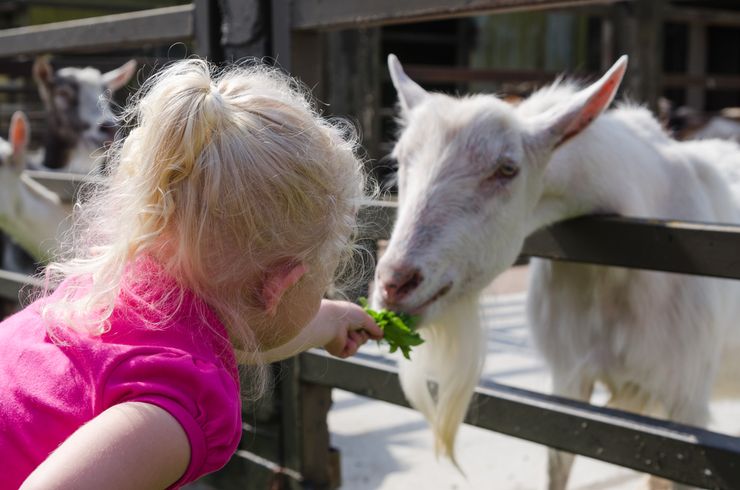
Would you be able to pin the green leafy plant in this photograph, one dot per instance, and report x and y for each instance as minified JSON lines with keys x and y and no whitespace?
{"x":398,"y":328}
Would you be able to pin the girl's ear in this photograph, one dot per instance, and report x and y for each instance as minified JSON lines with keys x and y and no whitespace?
{"x":277,"y":282}
{"x":556,"y":126}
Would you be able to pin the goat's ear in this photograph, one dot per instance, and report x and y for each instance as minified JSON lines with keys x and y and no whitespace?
{"x":409,"y":92}
{"x":43,"y":74}
{"x":115,"y":79}
{"x":562,"y":122}
{"x":19,"y":136}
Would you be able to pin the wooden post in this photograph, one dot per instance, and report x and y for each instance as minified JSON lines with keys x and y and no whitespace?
{"x":697,"y":64}
{"x":244,"y":28}
{"x":207,"y":30}
{"x":305,"y":435}
{"x":352,"y":85}
{"x":638,"y":27}
{"x":320,"y":469}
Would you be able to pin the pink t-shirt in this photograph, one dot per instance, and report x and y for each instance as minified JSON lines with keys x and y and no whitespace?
{"x":49,"y":389}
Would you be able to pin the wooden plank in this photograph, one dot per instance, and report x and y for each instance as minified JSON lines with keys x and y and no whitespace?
{"x":646,"y":63}
{"x":671,"y":246}
{"x":291,"y":426}
{"x":335,"y":14}
{"x":702,"y":82}
{"x":281,"y":39}
{"x":207,"y":30}
{"x":316,"y":464}
{"x":718,"y":17}
{"x":661,"y":245}
{"x":12,"y":282}
{"x":110,"y":32}
{"x":697,"y":65}
{"x":450,"y":74}
{"x":67,"y":185}
{"x":686,"y":454}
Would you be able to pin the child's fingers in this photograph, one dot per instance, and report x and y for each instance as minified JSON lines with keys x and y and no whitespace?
{"x":371,"y":328}
{"x":359,"y":336}
{"x":350,"y":349}
{"x":360,"y":320}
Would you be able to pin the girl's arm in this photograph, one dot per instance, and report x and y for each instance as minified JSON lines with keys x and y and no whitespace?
{"x":130,"y":445}
{"x":340,"y":327}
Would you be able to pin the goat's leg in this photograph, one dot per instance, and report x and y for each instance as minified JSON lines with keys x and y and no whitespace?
{"x":559,"y":463}
{"x":630,"y":397}
{"x":691,"y":410}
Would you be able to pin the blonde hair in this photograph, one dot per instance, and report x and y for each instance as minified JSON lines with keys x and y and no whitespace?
{"x":224,"y":172}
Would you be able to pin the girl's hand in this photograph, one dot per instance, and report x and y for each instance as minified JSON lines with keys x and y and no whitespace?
{"x":339,"y":326}
{"x":346,"y":327}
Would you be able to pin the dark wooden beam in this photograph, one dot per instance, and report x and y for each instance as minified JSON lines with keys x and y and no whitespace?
{"x":670,"y":246}
{"x":653,"y":244}
{"x":708,"y":16}
{"x":335,"y":14}
{"x":207,"y":30}
{"x":702,"y":81}
{"x":110,"y":32}
{"x":450,"y":74}
{"x":666,"y":449}
{"x":11,"y":284}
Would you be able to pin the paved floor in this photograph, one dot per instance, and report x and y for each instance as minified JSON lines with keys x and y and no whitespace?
{"x":388,"y":447}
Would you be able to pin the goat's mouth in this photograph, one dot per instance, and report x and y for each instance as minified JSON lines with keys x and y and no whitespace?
{"x":436,"y":296}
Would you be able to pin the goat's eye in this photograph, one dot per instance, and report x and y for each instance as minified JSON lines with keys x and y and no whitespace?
{"x":507,"y":170}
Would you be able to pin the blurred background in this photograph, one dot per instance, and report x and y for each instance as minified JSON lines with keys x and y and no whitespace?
{"x":685,"y":54}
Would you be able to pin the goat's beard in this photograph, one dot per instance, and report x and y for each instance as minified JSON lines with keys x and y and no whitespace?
{"x":451,"y":358}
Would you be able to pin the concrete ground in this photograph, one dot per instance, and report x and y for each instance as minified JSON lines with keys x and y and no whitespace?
{"x":388,"y":447}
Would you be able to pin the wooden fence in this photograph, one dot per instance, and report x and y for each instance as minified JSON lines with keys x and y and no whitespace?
{"x":288,"y":445}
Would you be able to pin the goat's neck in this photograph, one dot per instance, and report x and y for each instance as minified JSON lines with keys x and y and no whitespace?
{"x":57,"y":151}
{"x":608,"y":169}
{"x":31,"y":214}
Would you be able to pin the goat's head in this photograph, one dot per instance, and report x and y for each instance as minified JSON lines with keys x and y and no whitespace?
{"x":471,"y":171}
{"x":76,"y":101}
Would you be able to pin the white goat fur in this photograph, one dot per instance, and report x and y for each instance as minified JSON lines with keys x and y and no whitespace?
{"x":654,"y":339}
{"x":30,"y":213}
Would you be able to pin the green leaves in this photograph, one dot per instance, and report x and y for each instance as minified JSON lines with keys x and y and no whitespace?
{"x":397,"y":328}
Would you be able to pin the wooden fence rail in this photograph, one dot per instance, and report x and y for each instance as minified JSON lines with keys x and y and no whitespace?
{"x":678,"y":452}
{"x":155,"y":26}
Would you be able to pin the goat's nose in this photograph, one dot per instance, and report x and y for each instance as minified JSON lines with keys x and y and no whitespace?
{"x":399,"y":282}
{"x":109,"y":129}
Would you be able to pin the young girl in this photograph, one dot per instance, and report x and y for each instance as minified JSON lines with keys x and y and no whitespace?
{"x":230,"y":207}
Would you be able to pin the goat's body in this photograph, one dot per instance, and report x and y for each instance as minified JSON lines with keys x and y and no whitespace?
{"x":655,"y":340}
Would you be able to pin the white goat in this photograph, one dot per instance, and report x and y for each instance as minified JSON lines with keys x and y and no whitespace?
{"x":29,"y":212}
{"x":78,"y":114}
{"x":80,"y":123}
{"x":477,"y":176}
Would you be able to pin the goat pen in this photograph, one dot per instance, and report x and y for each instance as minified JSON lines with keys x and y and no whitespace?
{"x":294,"y":452}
